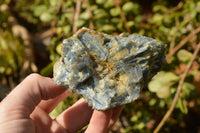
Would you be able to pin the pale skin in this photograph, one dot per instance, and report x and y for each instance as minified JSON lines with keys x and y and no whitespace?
{"x":27,"y":108}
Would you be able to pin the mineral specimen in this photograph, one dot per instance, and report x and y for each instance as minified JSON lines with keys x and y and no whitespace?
{"x":108,"y":70}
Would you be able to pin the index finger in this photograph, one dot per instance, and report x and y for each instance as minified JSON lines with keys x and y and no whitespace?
{"x":28,"y":94}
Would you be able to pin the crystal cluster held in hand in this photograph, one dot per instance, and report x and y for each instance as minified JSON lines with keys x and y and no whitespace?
{"x":107,"y":70}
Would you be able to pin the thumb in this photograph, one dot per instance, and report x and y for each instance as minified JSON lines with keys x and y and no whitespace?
{"x":28,"y":94}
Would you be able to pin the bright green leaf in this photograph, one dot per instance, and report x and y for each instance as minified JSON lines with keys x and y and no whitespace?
{"x":100,"y":13}
{"x":109,"y":4}
{"x":162,"y":79}
{"x":129,"y":7}
{"x":188,"y":89}
{"x":182,"y":105}
{"x":59,"y":48}
{"x":57,"y":110}
{"x":67,"y":29}
{"x":130,"y":23}
{"x":100,"y":2}
{"x":46,"y":17}
{"x":184,"y":55}
{"x":54,"y":2}
{"x":85,"y":15}
{"x":38,"y":10}
{"x":114,"y":12}
{"x":164,"y":92}
{"x":108,"y":28}
{"x":79,"y":22}
{"x":157,"y":18}
{"x":48,"y":70}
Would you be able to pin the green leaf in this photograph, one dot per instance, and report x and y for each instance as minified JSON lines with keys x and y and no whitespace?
{"x":79,"y":22}
{"x":67,"y":29}
{"x":187,"y":89}
{"x":94,"y":7}
{"x":46,"y":17}
{"x":130,"y":23}
{"x":69,"y":15}
{"x":57,"y":110}
{"x":100,"y":2}
{"x":108,"y":28}
{"x":162,"y":79}
{"x":157,"y":8}
{"x":182,"y":105}
{"x":114,"y":12}
{"x":3,"y":44}
{"x":155,"y":85}
{"x":184,"y":55}
{"x":164,"y":92}
{"x":38,"y":10}
{"x":109,"y":4}
{"x":54,"y":2}
{"x":48,"y":70}
{"x":157,"y":18}
{"x":130,"y":7}
{"x":59,"y":48}
{"x":85,"y":15}
{"x":100,"y":13}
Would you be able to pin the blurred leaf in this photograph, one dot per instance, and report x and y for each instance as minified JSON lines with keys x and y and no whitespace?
{"x":48,"y":70}
{"x":3,"y":44}
{"x":85,"y":15}
{"x":108,"y":4}
{"x":164,"y":92}
{"x":184,"y":55}
{"x":59,"y":48}
{"x":79,"y":22}
{"x":187,"y":89}
{"x":69,"y":15}
{"x":107,"y":28}
{"x":94,"y":7}
{"x":39,"y":10}
{"x":46,"y":17}
{"x":130,"y":23}
{"x":100,"y":13}
{"x":67,"y":29}
{"x":162,"y":8}
{"x":130,"y":7}
{"x":157,"y":18}
{"x":100,"y":1}
{"x":152,"y":102}
{"x":182,"y":105}
{"x":57,"y":110}
{"x":114,"y":12}
{"x":162,"y":79}
{"x":54,"y":2}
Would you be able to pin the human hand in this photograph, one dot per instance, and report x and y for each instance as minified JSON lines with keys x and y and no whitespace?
{"x":26,"y":110}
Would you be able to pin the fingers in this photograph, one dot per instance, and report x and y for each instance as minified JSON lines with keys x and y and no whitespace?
{"x":102,"y":121}
{"x":99,"y":121}
{"x":28,"y":94}
{"x":49,"y":105}
{"x":115,"y":115}
{"x":76,"y":117}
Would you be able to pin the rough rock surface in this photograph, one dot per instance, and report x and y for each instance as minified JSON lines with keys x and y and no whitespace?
{"x":108,"y":70}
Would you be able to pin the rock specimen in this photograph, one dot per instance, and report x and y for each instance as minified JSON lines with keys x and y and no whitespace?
{"x":108,"y":70}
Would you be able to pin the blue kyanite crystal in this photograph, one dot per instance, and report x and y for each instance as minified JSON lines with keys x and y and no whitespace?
{"x":108,"y":70}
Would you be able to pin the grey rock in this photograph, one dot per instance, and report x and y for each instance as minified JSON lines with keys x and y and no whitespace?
{"x":107,"y":70}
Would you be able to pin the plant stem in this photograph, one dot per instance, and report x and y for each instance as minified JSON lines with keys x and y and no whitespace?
{"x":76,"y":15}
{"x":169,"y":112}
{"x":182,"y":43}
{"x":117,"y":4}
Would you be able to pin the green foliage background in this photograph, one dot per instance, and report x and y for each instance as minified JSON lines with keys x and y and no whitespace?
{"x":175,"y":23}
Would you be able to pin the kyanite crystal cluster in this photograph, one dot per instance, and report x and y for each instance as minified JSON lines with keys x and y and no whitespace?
{"x":108,"y":70}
